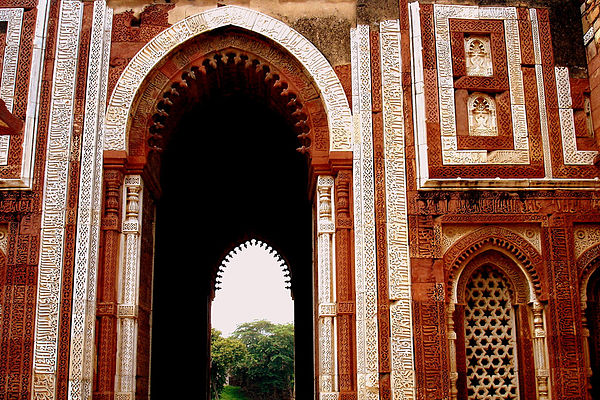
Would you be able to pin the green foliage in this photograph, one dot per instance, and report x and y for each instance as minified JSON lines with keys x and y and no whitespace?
{"x":268,"y":370}
{"x":232,"y":393}
{"x":226,"y":355}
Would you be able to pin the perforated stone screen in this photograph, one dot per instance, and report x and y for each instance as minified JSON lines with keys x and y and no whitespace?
{"x":491,"y":357}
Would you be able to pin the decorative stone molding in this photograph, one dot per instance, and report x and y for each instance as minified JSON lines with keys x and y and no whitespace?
{"x":129,"y":287}
{"x":83,"y":320}
{"x":335,"y":102}
{"x":367,"y":348}
{"x":53,"y":221}
{"x":585,"y":236}
{"x":14,"y":17}
{"x":537,"y":51}
{"x":400,"y":293}
{"x":571,"y":155}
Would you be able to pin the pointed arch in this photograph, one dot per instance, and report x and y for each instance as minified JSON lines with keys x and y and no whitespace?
{"x":588,"y":267}
{"x":587,"y":263}
{"x":118,"y":115}
{"x":500,"y":259}
{"x":503,"y":240}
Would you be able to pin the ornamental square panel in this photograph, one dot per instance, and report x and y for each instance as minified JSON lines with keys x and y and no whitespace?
{"x":484,"y":103}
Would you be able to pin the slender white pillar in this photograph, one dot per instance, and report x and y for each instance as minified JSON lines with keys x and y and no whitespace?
{"x":328,"y":385}
{"x":127,"y":308}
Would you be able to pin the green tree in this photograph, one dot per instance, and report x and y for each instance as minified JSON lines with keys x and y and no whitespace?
{"x":268,"y":370}
{"x":226,"y":354}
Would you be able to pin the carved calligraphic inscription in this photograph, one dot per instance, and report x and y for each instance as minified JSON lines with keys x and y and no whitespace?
{"x":88,"y":228}
{"x":364,"y":211}
{"x":55,"y":197}
{"x":400,"y":310}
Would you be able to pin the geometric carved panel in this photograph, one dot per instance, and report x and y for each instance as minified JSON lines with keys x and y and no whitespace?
{"x":490,"y":337}
{"x":571,"y":154}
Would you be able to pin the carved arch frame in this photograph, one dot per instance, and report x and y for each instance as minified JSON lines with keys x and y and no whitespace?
{"x":507,"y":242}
{"x":134,"y":84}
{"x":587,"y":264}
{"x":522,"y":264}
{"x":118,"y":116}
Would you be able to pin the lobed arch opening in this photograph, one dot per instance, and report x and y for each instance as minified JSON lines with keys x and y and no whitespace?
{"x":227,"y":62}
{"x":520,"y":288}
{"x":506,"y":243}
{"x":239,"y":248}
{"x":495,"y":306}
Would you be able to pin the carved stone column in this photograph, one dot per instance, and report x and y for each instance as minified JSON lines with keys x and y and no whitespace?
{"x":106,"y":308}
{"x":326,"y":293}
{"x":344,"y":285}
{"x":128,"y":289}
{"x":585,"y":332}
{"x":539,"y":351}
{"x":452,"y":352}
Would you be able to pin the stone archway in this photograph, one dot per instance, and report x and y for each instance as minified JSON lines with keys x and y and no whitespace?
{"x":118,"y":119}
{"x":222,"y":54}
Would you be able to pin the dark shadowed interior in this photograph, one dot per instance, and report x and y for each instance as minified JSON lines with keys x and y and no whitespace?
{"x":229,"y":172}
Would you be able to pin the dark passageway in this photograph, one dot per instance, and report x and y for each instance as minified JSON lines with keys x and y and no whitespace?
{"x":230,"y":171}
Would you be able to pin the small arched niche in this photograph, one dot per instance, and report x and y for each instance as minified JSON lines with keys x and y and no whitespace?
{"x":481,"y":110}
{"x":478,"y":55}
{"x":494,"y":318}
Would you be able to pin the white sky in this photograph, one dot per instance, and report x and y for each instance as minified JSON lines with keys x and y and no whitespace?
{"x":252,"y":288}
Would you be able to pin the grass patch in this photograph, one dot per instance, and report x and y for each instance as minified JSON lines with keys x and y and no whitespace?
{"x":232,"y":393}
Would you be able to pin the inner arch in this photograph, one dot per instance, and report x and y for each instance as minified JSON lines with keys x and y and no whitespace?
{"x":252,"y":283}
{"x":239,"y":249}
